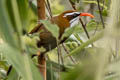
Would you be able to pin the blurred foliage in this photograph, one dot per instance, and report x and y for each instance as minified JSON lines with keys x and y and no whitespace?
{"x":95,"y":2}
{"x":98,"y":62}
{"x":58,"y":9}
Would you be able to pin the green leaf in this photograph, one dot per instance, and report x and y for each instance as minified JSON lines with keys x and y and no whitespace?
{"x":78,"y":49}
{"x":13,"y":75}
{"x":33,"y":7}
{"x":3,"y":64}
{"x":78,"y":38}
{"x":21,"y":62}
{"x":55,"y":66}
{"x":53,"y":28}
{"x":24,"y":12}
{"x":6,"y":29}
{"x":86,"y":70}
{"x":17,"y":16}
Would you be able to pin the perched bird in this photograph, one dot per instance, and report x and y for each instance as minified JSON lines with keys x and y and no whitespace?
{"x":64,"y":20}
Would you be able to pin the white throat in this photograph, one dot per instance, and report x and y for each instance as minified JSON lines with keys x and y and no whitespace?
{"x":74,"y":21}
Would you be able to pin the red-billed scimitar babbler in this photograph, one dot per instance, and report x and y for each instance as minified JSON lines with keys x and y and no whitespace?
{"x":65,"y":20}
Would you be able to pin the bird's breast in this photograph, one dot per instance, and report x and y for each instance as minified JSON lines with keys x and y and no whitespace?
{"x":62,"y":23}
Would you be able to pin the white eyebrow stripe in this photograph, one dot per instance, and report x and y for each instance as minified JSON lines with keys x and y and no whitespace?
{"x":77,"y":12}
{"x":71,"y":13}
{"x":68,"y":14}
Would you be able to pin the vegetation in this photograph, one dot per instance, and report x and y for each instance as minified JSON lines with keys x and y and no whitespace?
{"x":95,"y":57}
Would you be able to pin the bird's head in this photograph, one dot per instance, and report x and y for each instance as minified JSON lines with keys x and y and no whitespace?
{"x":73,"y":16}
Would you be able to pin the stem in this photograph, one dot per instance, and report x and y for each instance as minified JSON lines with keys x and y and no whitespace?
{"x":49,"y":8}
{"x":58,"y":50}
{"x":84,"y":27}
{"x":100,"y":11}
{"x":73,"y":4}
{"x":68,"y":53}
{"x":9,"y":70}
{"x":96,"y":29}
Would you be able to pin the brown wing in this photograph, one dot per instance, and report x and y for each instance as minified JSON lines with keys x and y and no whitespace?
{"x":36,"y":29}
{"x":46,"y":38}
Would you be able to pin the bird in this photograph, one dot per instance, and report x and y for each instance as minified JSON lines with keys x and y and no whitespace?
{"x":65,"y":20}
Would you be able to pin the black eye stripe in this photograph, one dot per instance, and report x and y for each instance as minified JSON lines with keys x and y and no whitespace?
{"x":74,"y":15}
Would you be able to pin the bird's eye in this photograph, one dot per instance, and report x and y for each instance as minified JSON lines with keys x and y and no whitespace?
{"x":75,"y":15}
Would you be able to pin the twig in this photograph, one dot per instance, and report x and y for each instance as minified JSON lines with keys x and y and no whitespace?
{"x":48,"y":8}
{"x":9,"y":70}
{"x":50,"y":68}
{"x":73,"y":4}
{"x":68,"y":53}
{"x":100,"y":14}
{"x":96,"y":29}
{"x":84,"y":27}
{"x":58,"y":58}
{"x":103,"y":5}
{"x":61,"y":56}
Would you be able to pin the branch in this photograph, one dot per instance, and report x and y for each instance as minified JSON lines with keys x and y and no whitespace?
{"x":73,"y":4}
{"x":41,"y":9}
{"x":41,"y":56}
